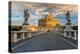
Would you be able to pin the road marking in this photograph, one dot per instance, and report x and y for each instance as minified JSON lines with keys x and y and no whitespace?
{"x":68,"y":42}
{"x":23,"y":43}
{"x":20,"y":45}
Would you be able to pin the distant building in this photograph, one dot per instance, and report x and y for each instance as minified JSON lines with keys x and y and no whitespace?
{"x":48,"y":23}
{"x":41,"y":22}
{"x":42,"y":25}
{"x":33,"y":28}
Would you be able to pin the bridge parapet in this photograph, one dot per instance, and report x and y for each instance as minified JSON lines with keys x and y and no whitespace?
{"x":73,"y":34}
{"x":21,"y":35}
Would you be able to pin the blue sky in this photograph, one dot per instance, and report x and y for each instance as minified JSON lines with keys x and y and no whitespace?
{"x":40,"y":10}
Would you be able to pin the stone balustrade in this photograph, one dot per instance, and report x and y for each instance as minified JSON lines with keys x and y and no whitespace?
{"x":21,"y":35}
{"x":71,"y":34}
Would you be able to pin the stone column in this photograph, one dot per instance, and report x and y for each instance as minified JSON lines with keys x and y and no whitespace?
{"x":30,"y":35}
{"x":75,"y":35}
{"x":15,"y":37}
{"x":64,"y":33}
{"x":69,"y":34}
{"x":27,"y":34}
{"x":23,"y":36}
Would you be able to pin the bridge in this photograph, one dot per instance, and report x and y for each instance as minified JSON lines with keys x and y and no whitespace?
{"x":22,"y":41}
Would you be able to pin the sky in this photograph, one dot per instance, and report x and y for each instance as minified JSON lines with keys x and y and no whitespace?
{"x":40,"y":10}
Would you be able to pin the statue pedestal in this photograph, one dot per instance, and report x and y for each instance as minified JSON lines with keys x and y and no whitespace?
{"x":67,"y":30}
{"x":25,"y":27}
{"x":68,"y":27}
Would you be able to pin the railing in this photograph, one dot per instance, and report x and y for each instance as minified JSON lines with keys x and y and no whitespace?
{"x":73,"y":34}
{"x":21,"y":35}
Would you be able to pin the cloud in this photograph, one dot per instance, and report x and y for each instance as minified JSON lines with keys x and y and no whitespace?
{"x":56,"y":9}
{"x":62,"y":9}
{"x":39,"y":10}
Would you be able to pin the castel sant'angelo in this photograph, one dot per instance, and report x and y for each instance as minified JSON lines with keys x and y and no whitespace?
{"x":45,"y":24}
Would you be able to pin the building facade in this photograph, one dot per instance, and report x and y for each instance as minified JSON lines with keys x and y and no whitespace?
{"x":48,"y":23}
